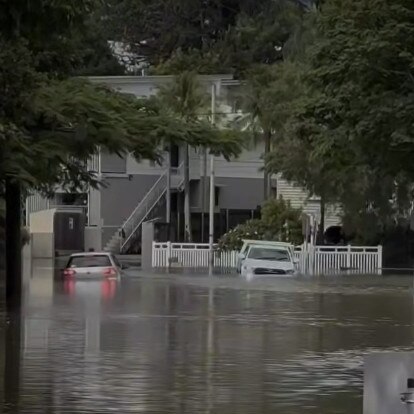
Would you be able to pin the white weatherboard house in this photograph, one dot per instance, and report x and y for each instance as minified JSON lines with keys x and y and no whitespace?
{"x":135,"y":191}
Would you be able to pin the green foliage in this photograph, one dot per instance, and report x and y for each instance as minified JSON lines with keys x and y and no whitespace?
{"x":283,"y":221}
{"x":279,"y":222}
{"x":48,"y":127}
{"x":204,"y":36}
{"x":233,"y":240}
{"x":348,"y":136}
{"x":185,"y":100}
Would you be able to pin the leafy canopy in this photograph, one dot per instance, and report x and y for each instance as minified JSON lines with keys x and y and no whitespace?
{"x":349,"y":135}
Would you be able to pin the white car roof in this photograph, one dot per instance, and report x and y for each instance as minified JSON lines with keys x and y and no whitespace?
{"x":90,"y":254}
{"x":268,"y":246}
{"x":267,"y":243}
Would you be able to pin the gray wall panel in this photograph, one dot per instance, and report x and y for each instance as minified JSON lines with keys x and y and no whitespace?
{"x":234,"y":193}
{"x":111,"y":163}
{"x":122,"y":195}
{"x":240,"y":193}
{"x":93,"y":236}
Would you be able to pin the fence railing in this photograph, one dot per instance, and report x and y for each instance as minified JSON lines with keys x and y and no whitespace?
{"x":311,"y":259}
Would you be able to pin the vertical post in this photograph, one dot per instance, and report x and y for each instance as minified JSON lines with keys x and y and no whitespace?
{"x":203,"y":195}
{"x":168,"y":255}
{"x":211,"y":226}
{"x":379,"y":259}
{"x":168,"y":192}
{"x":212,"y":187}
{"x":348,"y":257}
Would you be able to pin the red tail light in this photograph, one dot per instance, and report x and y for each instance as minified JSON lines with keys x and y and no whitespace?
{"x":69,"y":272}
{"x":110,"y":271}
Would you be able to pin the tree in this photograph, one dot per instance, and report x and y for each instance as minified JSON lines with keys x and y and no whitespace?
{"x":353,"y":121}
{"x":49,"y":125}
{"x":267,"y":97}
{"x":204,"y":36}
{"x":186,"y":99}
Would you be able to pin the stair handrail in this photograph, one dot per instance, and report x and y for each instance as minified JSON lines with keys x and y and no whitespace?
{"x":143,"y":201}
{"x":135,"y":219}
{"x":158,"y":196}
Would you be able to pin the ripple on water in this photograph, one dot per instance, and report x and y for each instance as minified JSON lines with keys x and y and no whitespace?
{"x":214,"y":345}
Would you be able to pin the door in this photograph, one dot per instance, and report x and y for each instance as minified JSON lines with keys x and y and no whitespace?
{"x":69,"y":231}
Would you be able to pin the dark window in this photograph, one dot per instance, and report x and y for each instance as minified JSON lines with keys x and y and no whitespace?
{"x":175,"y":156}
{"x":71,"y":199}
{"x":268,"y":254}
{"x":89,"y":261}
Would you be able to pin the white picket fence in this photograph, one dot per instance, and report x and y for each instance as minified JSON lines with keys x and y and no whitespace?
{"x":311,"y":259}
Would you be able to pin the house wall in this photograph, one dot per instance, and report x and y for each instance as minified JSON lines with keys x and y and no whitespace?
{"x":234,"y":193}
{"x":112,"y":163}
{"x":240,"y":180}
{"x":119,"y":198}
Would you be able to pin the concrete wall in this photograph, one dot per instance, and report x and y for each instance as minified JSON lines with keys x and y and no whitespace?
{"x":42,"y":221}
{"x":93,"y":238}
{"x":43,"y":245}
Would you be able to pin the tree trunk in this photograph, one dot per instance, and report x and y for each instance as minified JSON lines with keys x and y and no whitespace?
{"x":266,"y":176}
{"x":321,"y":230}
{"x":13,"y":245}
{"x":187,"y":214}
{"x":12,"y":358}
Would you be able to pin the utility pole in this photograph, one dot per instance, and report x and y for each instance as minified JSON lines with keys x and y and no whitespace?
{"x":212,"y":187}
{"x":168,"y":192}
{"x":203,"y":195}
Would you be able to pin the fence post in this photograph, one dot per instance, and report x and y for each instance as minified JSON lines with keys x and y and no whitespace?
{"x":168,"y":255}
{"x":379,"y":259}
{"x":348,"y":257}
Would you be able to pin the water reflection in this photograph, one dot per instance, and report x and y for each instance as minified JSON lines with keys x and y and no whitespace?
{"x":166,"y":344}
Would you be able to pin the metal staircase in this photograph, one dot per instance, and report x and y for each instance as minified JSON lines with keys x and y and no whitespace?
{"x":130,"y":230}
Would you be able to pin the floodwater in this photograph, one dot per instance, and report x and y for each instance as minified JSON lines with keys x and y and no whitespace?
{"x":187,"y":343}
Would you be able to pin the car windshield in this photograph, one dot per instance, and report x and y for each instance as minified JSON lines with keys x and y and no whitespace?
{"x":89,"y":261}
{"x":260,"y":253}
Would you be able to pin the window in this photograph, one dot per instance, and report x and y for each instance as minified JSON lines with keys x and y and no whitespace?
{"x":216,"y":196}
{"x":89,"y":261}
{"x":260,"y":253}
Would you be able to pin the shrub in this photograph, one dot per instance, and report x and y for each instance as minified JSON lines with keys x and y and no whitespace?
{"x":279,"y":222}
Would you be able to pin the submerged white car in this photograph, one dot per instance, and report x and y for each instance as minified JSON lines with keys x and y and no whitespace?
{"x":268,"y":260}
{"x":248,"y":243}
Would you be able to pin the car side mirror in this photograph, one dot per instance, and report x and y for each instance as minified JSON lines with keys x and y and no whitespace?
{"x":242,"y":256}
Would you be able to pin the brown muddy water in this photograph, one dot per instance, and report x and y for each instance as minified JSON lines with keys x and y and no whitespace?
{"x":187,"y":343}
